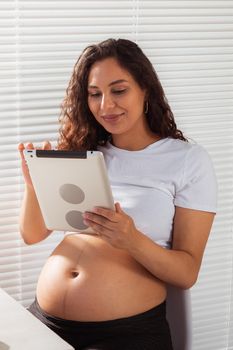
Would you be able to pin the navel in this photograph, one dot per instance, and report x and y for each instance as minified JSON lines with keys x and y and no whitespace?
{"x":74,"y":274}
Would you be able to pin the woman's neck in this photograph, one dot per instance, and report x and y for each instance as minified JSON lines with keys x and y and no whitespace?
{"x":136,"y":143}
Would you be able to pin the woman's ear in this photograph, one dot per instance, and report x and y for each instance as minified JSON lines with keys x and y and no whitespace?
{"x":146,"y":107}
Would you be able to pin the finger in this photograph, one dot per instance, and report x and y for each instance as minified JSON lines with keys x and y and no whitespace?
{"x":98,"y":220}
{"x":98,"y":229}
{"x":118,"y":208}
{"x":20,"y":149}
{"x":107,"y":213}
{"x":46,"y":145}
{"x":29,"y":145}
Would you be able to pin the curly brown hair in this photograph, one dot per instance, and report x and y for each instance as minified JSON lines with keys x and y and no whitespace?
{"x":79,"y":129}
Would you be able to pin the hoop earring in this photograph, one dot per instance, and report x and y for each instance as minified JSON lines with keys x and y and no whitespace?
{"x":146,"y":107}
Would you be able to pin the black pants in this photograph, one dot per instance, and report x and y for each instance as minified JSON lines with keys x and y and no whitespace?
{"x":146,"y":331}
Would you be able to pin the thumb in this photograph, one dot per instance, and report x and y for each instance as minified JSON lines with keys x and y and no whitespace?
{"x":118,"y":208}
{"x":20,"y":149}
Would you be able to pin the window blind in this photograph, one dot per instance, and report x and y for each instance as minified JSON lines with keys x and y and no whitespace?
{"x":190,"y":45}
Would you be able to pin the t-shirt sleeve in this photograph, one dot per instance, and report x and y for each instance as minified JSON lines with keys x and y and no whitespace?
{"x":198,"y":188}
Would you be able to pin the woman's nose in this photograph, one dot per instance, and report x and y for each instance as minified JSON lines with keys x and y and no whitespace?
{"x":106,"y":103}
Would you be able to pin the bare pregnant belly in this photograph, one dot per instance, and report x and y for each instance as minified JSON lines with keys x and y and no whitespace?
{"x":86,"y":279}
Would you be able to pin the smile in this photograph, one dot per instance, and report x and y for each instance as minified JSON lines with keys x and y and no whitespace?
{"x":112,"y":117}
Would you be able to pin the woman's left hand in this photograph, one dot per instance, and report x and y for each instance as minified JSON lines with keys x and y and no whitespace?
{"x":115,"y":227}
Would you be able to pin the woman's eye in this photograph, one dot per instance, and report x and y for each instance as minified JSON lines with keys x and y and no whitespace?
{"x":99,"y":94}
{"x":119,"y":92}
{"x":95,"y":94}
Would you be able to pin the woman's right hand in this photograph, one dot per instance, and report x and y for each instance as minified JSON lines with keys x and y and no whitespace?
{"x":25,"y":171}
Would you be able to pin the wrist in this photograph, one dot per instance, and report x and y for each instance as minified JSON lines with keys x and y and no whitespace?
{"x":136,"y":242}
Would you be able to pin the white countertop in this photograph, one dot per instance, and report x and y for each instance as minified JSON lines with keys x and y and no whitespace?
{"x":20,"y":330}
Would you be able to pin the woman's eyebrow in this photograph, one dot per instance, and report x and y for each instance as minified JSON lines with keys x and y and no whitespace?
{"x":118,"y":81}
{"x":112,"y":83}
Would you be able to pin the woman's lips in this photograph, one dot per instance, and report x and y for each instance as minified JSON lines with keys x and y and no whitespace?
{"x":112,"y":117}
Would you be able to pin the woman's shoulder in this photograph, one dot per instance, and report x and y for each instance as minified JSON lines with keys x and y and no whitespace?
{"x":197,"y":187}
{"x":180,"y":148}
{"x":177,"y":144}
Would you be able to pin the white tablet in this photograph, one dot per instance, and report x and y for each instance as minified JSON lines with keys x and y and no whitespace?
{"x":67,"y":183}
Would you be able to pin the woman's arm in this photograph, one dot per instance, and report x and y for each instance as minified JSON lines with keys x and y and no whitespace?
{"x":179,"y":266}
{"x":31,"y":222}
{"x":32,"y":225}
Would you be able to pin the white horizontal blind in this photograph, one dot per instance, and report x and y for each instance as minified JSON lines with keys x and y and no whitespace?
{"x":9,"y":175}
{"x":190,"y":44}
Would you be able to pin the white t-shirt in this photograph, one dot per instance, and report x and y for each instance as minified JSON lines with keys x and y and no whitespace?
{"x":149,"y":183}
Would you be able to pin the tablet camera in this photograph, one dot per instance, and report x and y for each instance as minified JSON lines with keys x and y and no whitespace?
{"x":73,"y":194}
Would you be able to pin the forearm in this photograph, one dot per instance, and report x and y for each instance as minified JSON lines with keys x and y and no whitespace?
{"x":179,"y":266}
{"x":171,"y":266}
{"x":32,"y":225}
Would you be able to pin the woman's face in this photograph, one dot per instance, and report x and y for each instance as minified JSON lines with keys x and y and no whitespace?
{"x":115,"y":99}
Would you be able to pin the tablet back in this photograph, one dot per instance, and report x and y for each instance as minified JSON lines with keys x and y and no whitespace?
{"x":67,"y":183}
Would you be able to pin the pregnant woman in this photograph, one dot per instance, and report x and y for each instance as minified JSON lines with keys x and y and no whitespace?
{"x":107,"y":290}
